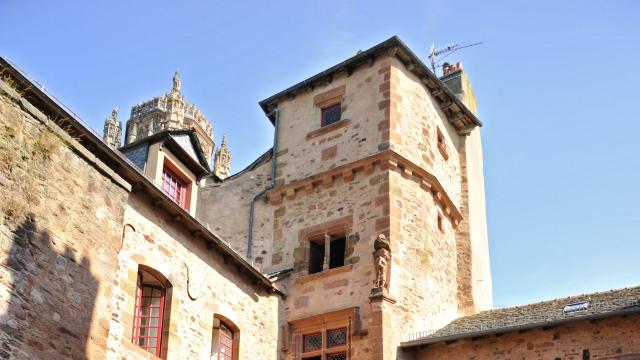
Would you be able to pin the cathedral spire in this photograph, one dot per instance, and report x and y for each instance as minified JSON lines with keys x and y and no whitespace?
{"x":222,"y":162}
{"x":112,"y":134}
{"x":176,"y":82}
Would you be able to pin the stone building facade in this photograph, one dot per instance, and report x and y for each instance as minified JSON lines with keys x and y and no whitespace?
{"x":361,"y":234}
{"x":100,"y":260}
{"x":393,"y":162}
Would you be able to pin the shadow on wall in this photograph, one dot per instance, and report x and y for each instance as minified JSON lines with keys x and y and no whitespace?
{"x":48,"y":297}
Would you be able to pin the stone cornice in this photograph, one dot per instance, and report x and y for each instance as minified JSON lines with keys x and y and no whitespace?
{"x":385,"y":160}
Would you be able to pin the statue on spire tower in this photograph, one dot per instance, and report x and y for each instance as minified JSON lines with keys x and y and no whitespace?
{"x":176,"y":81}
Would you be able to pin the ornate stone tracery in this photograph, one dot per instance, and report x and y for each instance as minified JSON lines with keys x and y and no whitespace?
{"x":222,"y":162}
{"x":168,"y":112}
{"x":112,"y":134}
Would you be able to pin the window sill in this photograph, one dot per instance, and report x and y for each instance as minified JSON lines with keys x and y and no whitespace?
{"x":139,"y":352}
{"x":329,"y":128}
{"x":322,"y":274}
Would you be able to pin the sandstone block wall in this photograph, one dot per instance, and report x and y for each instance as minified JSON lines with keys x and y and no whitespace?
{"x":416,"y":119}
{"x":203,"y":287}
{"x":613,"y":338}
{"x":224,"y":207}
{"x":359,"y":203}
{"x":72,"y":237}
{"x":60,"y":228}
{"x":423,"y":278}
{"x":303,"y":153}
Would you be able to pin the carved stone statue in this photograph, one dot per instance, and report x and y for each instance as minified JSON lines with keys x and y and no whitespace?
{"x":176,"y":82}
{"x":381,"y":257}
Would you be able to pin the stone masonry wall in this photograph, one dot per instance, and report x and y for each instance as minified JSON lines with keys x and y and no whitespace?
{"x":613,"y":338}
{"x":203,"y":286}
{"x":303,"y":153}
{"x":358,"y":202}
{"x":224,"y":207}
{"x":60,"y":228}
{"x":423,"y":276}
{"x":416,"y":120}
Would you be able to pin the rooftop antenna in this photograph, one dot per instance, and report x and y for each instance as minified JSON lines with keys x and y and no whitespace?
{"x":447,"y":50}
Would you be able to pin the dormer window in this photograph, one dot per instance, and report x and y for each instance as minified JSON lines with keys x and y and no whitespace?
{"x":174,"y":187}
{"x":331,"y":114}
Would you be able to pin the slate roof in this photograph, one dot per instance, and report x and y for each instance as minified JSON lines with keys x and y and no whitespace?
{"x":184,"y":144}
{"x":538,"y":315}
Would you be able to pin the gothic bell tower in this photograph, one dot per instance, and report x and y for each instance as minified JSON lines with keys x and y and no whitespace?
{"x":112,"y":134}
{"x":222,"y":163}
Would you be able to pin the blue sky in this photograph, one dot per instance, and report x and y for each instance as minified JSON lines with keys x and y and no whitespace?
{"x":557,"y":84}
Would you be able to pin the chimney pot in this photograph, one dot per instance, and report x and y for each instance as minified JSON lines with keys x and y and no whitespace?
{"x":446,"y":68}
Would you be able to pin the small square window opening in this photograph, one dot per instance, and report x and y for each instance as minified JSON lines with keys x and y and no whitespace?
{"x":331,"y":114}
{"x":442,"y":147}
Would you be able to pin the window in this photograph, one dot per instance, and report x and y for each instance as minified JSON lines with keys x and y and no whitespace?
{"x":224,"y":345}
{"x":442,"y":147}
{"x":440,"y":223}
{"x":324,"y":336}
{"x":149,"y":312}
{"x":329,"y":344}
{"x":174,"y":187}
{"x":316,"y":256}
{"x":331,"y":114}
{"x":317,"y":246}
{"x":336,"y":252}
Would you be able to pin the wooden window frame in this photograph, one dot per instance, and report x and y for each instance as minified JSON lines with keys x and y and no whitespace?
{"x":221,"y":336}
{"x":169,"y":170}
{"x":140,"y":286}
{"x":221,"y":322}
{"x":322,"y":324}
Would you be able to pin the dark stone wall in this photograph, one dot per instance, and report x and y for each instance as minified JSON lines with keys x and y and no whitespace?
{"x":60,"y":231}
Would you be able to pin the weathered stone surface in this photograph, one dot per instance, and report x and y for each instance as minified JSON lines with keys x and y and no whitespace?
{"x":59,"y":235}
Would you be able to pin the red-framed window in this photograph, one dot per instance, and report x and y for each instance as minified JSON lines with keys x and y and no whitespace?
{"x":331,"y":114}
{"x":225,"y":343}
{"x":174,"y":187}
{"x":149,"y":313}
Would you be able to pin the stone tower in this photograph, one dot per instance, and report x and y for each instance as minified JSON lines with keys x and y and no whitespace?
{"x":222,"y":163}
{"x":112,"y":134}
{"x":170,"y":112}
{"x":370,"y":209}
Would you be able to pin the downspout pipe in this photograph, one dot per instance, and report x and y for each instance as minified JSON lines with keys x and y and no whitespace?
{"x":274,"y":151}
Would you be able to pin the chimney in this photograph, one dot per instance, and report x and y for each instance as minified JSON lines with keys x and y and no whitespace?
{"x":458,"y":82}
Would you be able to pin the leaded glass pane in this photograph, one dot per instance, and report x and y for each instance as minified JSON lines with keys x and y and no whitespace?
{"x":336,"y":337}
{"x":311,"y":342}
{"x":331,"y":114}
{"x":338,"y":356}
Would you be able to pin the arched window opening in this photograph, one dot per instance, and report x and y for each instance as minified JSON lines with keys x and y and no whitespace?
{"x":225,"y":342}
{"x":150,"y":316}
